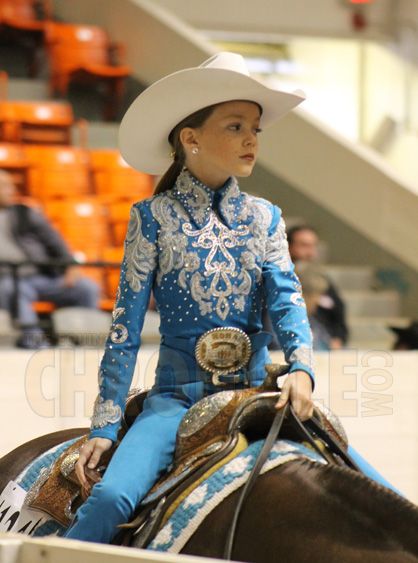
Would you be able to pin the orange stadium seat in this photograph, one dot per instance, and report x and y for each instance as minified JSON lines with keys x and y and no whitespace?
{"x":111,"y":274}
{"x":82,"y":223}
{"x":83,"y":54}
{"x":23,"y":23}
{"x":58,"y":172}
{"x":36,"y":122}
{"x":14,"y":160}
{"x":118,"y":219}
{"x":24,"y":14}
{"x":115,"y":179}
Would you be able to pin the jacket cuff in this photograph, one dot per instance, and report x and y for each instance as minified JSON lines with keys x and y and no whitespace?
{"x":298,"y":366}
{"x":104,"y":433}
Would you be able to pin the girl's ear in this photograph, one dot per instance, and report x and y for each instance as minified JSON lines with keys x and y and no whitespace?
{"x":188,"y":139}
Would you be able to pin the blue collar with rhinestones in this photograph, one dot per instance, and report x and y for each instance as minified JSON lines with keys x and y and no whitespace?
{"x":197,"y":198}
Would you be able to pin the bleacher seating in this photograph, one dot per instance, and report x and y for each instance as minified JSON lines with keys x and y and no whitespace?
{"x":85,"y":194}
{"x":23,"y":22}
{"x":112,"y":254}
{"x":116,"y":180}
{"x":36,"y":122}
{"x":58,"y":172}
{"x":24,"y":14}
{"x":118,"y":220}
{"x":14,"y":160}
{"x":83,"y":224}
{"x":81,"y":53}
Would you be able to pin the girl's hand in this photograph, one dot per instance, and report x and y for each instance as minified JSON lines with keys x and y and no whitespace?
{"x":90,"y":455}
{"x":297,"y":388}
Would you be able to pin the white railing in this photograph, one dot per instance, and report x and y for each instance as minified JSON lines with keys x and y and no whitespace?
{"x":16,"y":548}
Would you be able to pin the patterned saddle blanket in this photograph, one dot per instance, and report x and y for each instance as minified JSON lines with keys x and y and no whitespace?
{"x":213,"y":433}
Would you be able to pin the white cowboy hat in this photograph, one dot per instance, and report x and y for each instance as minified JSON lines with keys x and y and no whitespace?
{"x":143,"y":133}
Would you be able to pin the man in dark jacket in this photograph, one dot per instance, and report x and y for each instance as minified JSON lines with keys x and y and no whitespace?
{"x":303,"y":247}
{"x":26,"y":235}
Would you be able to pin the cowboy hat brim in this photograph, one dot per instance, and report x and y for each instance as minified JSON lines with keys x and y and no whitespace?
{"x":144,"y":130}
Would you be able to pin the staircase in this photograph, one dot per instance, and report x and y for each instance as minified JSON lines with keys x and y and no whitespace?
{"x":369,"y":311}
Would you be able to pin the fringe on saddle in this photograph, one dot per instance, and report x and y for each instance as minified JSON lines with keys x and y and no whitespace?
{"x":209,"y":436}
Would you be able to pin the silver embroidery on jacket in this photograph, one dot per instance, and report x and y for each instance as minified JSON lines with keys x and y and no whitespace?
{"x":217,"y":238}
{"x":304,"y":355}
{"x":215,"y":279}
{"x":105,"y":412}
{"x":277,"y":248}
{"x":140,"y":254}
{"x":118,"y":331}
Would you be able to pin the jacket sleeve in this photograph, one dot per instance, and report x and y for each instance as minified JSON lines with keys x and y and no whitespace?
{"x":284,"y":299}
{"x":122,"y":345}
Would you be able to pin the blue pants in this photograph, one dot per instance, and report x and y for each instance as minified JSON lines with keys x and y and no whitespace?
{"x":144,"y":453}
{"x":370,"y":471}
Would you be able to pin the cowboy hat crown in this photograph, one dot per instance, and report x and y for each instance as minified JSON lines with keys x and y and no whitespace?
{"x":143,"y":134}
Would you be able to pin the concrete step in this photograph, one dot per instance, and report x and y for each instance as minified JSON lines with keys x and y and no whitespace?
{"x":371,"y":303}
{"x":101,"y":134}
{"x":351,"y":277}
{"x":27,"y":89}
{"x":369,"y":332}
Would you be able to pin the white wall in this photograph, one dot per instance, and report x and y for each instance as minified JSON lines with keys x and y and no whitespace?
{"x":375,"y":394}
{"x":351,"y":182}
{"x":294,"y":17}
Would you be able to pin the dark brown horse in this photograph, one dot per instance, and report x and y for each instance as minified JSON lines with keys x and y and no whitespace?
{"x":300,"y":511}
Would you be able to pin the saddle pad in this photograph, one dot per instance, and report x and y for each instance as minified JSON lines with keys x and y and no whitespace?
{"x":193,"y":510}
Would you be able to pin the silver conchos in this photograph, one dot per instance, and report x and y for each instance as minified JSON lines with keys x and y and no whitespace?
{"x":223,"y":351}
{"x":203,"y":412}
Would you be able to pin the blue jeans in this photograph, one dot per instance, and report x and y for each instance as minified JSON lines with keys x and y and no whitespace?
{"x":38,"y":287}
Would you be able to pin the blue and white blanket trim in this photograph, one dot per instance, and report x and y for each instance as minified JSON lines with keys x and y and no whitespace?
{"x":193,"y":510}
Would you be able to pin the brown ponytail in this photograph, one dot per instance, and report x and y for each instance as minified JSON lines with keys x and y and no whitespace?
{"x":195,"y":120}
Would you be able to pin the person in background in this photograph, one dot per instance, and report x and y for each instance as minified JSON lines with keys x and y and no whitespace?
{"x":407,"y":337}
{"x":314,"y":285}
{"x":26,"y":235}
{"x":303,"y":243}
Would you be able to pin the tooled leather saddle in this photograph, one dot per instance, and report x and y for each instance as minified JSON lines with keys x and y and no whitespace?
{"x":212,"y":432}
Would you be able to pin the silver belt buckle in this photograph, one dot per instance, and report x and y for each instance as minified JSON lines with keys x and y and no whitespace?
{"x":223,"y":351}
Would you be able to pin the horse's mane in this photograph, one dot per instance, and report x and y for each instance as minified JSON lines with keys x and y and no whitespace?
{"x":363,"y":484}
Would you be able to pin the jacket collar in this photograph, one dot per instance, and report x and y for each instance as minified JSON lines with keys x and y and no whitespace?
{"x":198,"y":199}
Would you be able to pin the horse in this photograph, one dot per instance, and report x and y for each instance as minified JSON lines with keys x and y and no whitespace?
{"x":297,"y":512}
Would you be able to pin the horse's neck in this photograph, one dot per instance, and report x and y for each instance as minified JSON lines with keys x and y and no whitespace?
{"x":304,"y":509}
{"x":366,"y":502}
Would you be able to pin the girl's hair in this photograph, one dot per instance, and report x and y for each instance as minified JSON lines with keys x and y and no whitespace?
{"x":196,"y":119}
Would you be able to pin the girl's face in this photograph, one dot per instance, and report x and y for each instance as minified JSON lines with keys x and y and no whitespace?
{"x":227,"y":143}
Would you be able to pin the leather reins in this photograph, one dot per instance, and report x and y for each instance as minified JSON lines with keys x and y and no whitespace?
{"x":305,"y":430}
{"x":261,"y":458}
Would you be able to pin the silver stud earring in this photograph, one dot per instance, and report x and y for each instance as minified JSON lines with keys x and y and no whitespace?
{"x":195,"y":150}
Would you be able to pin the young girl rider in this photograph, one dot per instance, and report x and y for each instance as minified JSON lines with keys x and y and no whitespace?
{"x":211,"y":255}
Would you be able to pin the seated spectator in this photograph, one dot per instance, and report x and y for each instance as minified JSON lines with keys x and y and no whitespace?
{"x":407,"y":338}
{"x":303,"y":247}
{"x":314,"y":285}
{"x":26,"y":235}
